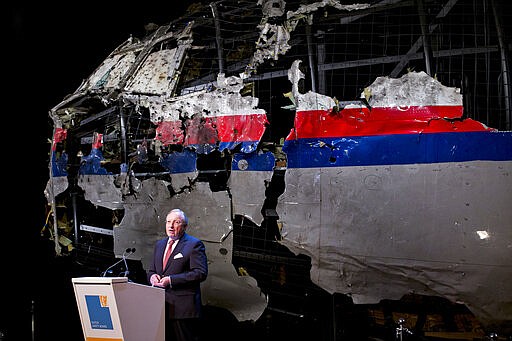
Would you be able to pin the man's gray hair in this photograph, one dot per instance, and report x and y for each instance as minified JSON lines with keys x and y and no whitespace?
{"x":182,"y":214}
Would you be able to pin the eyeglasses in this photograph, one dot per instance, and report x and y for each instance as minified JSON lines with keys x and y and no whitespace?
{"x":175,"y":222}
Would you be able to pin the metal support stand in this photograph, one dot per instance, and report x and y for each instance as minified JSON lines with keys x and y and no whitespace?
{"x":401,"y":329}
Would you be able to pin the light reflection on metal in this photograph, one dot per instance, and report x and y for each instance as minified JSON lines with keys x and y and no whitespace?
{"x":483,"y":234}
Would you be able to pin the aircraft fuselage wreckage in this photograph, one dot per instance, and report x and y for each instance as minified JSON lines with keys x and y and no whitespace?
{"x":399,"y":190}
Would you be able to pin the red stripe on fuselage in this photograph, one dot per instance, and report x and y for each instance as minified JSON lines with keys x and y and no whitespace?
{"x":212,"y":129}
{"x":362,"y":121}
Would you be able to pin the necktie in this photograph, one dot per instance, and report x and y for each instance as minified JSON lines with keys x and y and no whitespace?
{"x":167,"y":253}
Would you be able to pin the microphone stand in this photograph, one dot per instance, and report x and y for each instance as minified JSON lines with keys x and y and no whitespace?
{"x":126,"y":271}
{"x":123,"y":259}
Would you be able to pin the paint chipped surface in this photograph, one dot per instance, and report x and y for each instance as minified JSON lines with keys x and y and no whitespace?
{"x":250,"y":176}
{"x":110,"y":73}
{"x":221,"y":117}
{"x":364,"y":185}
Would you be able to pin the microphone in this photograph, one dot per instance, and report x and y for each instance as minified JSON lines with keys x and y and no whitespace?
{"x":126,"y":253}
{"x":129,"y":251}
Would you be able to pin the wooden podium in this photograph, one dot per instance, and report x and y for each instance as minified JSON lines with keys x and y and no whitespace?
{"x":113,"y":309}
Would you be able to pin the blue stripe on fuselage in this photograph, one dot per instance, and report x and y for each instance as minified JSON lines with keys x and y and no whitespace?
{"x":398,"y":149}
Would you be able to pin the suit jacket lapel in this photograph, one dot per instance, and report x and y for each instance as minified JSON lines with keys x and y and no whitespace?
{"x":179,"y":247}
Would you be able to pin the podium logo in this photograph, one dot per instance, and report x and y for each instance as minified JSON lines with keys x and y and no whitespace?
{"x":99,"y":312}
{"x":103,"y":301}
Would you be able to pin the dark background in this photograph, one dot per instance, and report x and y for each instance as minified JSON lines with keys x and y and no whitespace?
{"x":48,"y":49}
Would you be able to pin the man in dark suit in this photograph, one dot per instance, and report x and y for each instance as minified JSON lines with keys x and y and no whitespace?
{"x":179,"y":265}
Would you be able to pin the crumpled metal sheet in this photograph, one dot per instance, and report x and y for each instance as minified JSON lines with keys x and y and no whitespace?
{"x":247,"y":183}
{"x":272,"y":8}
{"x":110,"y":73}
{"x":100,"y":190}
{"x":393,"y":192}
{"x":238,"y":293}
{"x":413,"y":227}
{"x":412,"y":89}
{"x":148,"y":80}
{"x":313,"y":7}
{"x":179,"y":162}
{"x":272,"y":43}
{"x":55,"y":186}
{"x":210,"y":220}
{"x":91,"y":164}
{"x":207,"y":121}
